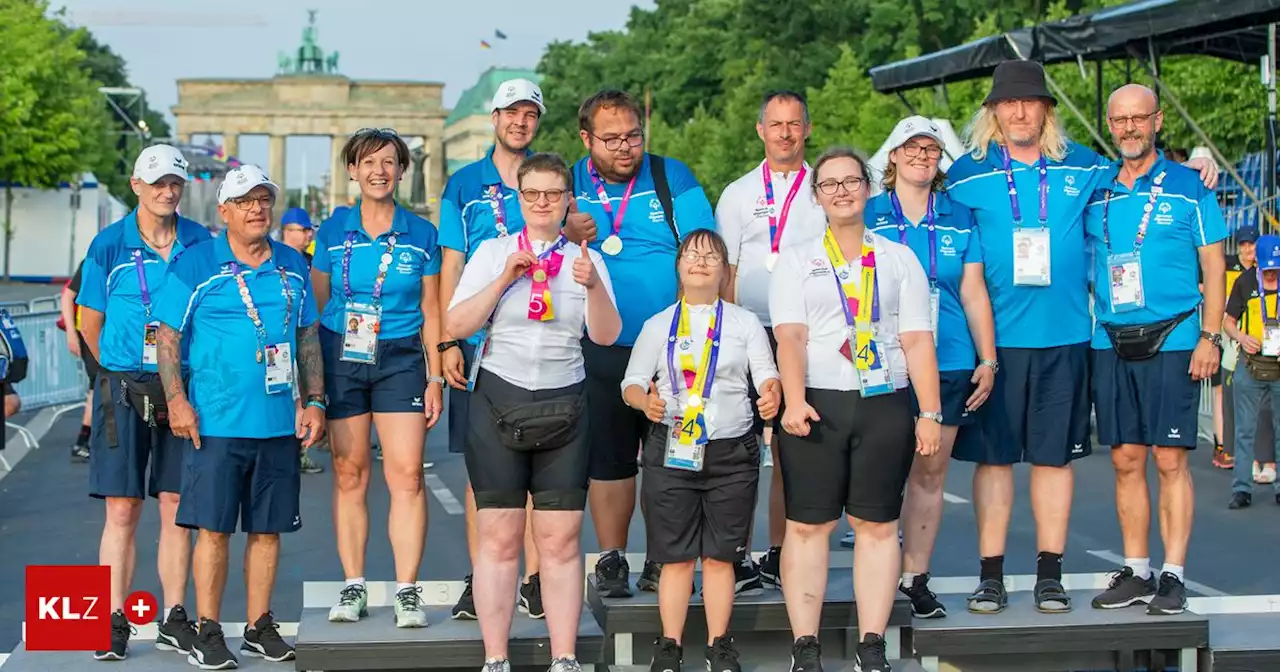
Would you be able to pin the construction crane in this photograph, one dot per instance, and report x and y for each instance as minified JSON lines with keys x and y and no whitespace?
{"x":164,"y":19}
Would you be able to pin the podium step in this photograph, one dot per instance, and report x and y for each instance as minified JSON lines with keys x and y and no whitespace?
{"x":1244,"y":642}
{"x":830,"y":665}
{"x":143,"y":657}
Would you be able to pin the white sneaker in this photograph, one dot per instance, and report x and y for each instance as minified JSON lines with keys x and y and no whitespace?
{"x":496,"y":666}
{"x":408,"y":607}
{"x":353,"y":604}
{"x":1265,"y":475}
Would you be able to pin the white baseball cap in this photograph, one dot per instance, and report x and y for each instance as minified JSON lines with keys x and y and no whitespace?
{"x":914,"y":126}
{"x":515,"y":91}
{"x":157,"y":161}
{"x":242,"y":180}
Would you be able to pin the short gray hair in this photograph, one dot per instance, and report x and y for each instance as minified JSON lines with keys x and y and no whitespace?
{"x":784,"y":94}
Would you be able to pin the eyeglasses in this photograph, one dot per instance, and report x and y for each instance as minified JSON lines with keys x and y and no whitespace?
{"x":852,"y":185}
{"x":710,"y":259}
{"x":1136,"y":119}
{"x":245,"y":204}
{"x":633,"y":139}
{"x":534,"y":195}
{"x":912,"y":150}
{"x":384,"y":133}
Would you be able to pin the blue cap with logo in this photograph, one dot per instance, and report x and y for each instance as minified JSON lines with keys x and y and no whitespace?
{"x":1246,"y":234}
{"x":296,"y":216}
{"x":1269,"y":253}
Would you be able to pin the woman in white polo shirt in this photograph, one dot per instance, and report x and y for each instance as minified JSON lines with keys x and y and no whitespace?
{"x":702,"y":458}
{"x":851,"y":315}
{"x":532,"y":294}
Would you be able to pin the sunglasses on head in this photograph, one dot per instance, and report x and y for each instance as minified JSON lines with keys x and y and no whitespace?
{"x":384,"y":133}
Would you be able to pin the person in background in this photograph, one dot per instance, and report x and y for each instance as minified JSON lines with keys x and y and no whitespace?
{"x":296,"y":232}
{"x":12,"y":402}
{"x":69,"y":322}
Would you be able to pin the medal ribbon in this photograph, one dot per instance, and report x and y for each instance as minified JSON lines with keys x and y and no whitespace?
{"x":1147,"y":209}
{"x":1043,"y":167}
{"x":541,"y":272}
{"x":779,"y":223}
{"x":614,"y":220}
{"x":697,"y":379}
{"x":499,"y":209}
{"x":252,"y":310}
{"x":142,"y":282}
{"x":861,"y":304}
{"x":383,"y":264}
{"x":933,"y":233}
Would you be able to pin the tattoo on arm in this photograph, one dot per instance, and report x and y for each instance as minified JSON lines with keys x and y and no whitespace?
{"x":310,"y":361}
{"x":169,"y":361}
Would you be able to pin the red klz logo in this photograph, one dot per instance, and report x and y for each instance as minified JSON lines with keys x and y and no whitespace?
{"x":68,"y":608}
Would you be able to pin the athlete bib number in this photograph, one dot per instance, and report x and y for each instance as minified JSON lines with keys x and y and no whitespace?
{"x":1271,"y":341}
{"x":686,"y":443}
{"x":1124,"y":272}
{"x":360,"y":334}
{"x":1031,"y":257}
{"x":150,"y":334}
{"x":279,"y":368}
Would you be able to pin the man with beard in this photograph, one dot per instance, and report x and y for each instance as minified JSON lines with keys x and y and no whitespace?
{"x":479,"y":203}
{"x":1151,"y":219}
{"x":770,"y":208}
{"x":644,"y":206}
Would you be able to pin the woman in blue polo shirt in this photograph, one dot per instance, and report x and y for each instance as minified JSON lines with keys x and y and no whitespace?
{"x":915,"y":211}
{"x":376,"y":275}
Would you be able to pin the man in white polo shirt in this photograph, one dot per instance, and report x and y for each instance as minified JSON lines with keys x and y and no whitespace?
{"x":769,"y":209}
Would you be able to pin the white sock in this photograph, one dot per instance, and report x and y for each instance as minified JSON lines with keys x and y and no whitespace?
{"x":166,"y":614}
{"x":1141,"y":567}
{"x":907,"y":578}
{"x":1175,"y":570}
{"x":402,"y":586}
{"x":358,"y":581}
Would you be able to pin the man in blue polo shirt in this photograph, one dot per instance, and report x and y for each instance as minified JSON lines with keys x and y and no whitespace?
{"x":122,"y":276}
{"x":1028,"y":186}
{"x":634,"y":208}
{"x":243,"y":305}
{"x":480,"y":203}
{"x":1151,"y":226}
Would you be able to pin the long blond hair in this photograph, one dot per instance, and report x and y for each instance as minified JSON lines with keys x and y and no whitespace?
{"x":983,"y":128}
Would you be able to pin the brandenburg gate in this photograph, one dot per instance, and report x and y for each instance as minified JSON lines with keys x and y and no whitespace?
{"x":307,"y":96}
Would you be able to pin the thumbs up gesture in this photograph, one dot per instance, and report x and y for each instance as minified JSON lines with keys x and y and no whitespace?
{"x":584,"y":272}
{"x":578,"y":226}
{"x":656,"y":408}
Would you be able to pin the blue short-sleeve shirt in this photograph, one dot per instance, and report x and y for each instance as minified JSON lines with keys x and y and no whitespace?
{"x":644,"y":273}
{"x":1184,"y":217}
{"x":1025,"y":316}
{"x":201,"y":299}
{"x":111,"y":283}
{"x":415,"y":256}
{"x":957,"y":244}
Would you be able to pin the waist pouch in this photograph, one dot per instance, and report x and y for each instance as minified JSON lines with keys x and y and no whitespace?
{"x":1142,"y":341}
{"x":533,"y":426}
{"x":1263,"y":369}
{"x":144,"y":394}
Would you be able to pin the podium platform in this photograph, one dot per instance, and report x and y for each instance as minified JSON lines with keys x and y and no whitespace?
{"x":143,"y":657}
{"x":1244,"y":642}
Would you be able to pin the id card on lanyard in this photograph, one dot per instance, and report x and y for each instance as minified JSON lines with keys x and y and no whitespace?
{"x":1031,"y":252}
{"x":778,"y":220}
{"x":363,"y":321}
{"x":1270,"y":323}
{"x":612,"y":245}
{"x":1124,"y":271}
{"x":151,"y":328}
{"x":278,"y":357}
{"x":933,"y":253}
{"x":861,"y":305}
{"x":687,"y":442}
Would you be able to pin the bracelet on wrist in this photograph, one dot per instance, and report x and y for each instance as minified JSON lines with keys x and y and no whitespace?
{"x":314,"y":402}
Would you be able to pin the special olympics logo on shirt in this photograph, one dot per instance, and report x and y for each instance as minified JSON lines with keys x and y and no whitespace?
{"x":1070,"y":188}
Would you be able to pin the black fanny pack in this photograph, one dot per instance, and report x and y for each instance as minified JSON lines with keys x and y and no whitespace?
{"x":1142,"y":341}
{"x":1263,"y":369}
{"x":537,"y":425}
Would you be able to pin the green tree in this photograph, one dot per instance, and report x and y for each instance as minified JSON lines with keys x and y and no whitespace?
{"x":54,"y":124}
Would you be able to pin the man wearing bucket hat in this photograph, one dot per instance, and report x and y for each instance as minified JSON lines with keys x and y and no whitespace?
{"x":915,"y":211}
{"x":1028,"y":184}
{"x":479,"y":203}
{"x":242,"y":306}
{"x":1151,"y":225}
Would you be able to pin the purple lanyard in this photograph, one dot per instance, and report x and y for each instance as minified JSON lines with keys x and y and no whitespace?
{"x":1147,"y":209}
{"x":933,"y":233}
{"x":499,"y":209}
{"x":1013,"y":189}
{"x":713,"y":336}
{"x":778,"y":223}
{"x":252,"y":310}
{"x":383,"y":264}
{"x":615,"y":221}
{"x":142,"y":281}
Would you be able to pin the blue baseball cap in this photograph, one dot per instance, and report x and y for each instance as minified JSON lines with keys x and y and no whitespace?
{"x":296,"y":216}
{"x":1269,"y":253}
{"x":1246,"y":234}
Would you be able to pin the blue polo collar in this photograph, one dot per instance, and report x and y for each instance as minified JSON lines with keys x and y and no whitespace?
{"x":399,"y":222}
{"x":941,"y":204}
{"x":224,"y":256}
{"x":1112,"y":176}
{"x":489,"y":170}
{"x":186,"y":230}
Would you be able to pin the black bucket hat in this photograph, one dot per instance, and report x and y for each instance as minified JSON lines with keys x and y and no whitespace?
{"x":1018,"y":79}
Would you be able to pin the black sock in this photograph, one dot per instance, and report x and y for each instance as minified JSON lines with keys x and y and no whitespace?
{"x":82,"y":439}
{"x":992,"y":568}
{"x":1048,"y":566}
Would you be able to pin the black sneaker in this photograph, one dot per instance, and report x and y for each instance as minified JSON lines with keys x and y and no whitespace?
{"x":465,"y":609}
{"x":650,"y":576}
{"x":79,"y":454}
{"x":210,"y":650}
{"x":1126,"y":589}
{"x":722,"y":655}
{"x":1051,"y":597}
{"x":870,"y":655}
{"x":613,"y":575}
{"x":746,"y":576}
{"x":924,"y":604}
{"x":667,"y":655}
{"x":1171,"y":597}
{"x":177,"y":633}
{"x":806,"y":655}
{"x":531,"y":597}
{"x":1241,"y":500}
{"x":263,"y":640}
{"x":990,"y":598}
{"x":771,"y":567}
{"x":120,"y":632}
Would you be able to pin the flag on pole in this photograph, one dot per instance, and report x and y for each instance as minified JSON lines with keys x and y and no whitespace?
{"x":485,"y":45}
{"x":499,"y":34}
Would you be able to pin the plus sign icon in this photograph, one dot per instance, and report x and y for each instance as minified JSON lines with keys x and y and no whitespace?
{"x":141,"y":607}
{"x":67,"y":608}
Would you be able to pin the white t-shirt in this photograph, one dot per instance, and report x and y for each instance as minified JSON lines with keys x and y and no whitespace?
{"x":804,"y":292}
{"x":532,"y":354}
{"x":742,"y":217}
{"x":744,"y":347}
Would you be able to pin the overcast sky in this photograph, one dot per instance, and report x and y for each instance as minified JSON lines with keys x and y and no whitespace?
{"x":425,"y":40}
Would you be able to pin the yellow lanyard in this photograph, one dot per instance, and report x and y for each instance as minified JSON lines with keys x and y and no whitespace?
{"x":687,"y":366}
{"x":859,"y":303}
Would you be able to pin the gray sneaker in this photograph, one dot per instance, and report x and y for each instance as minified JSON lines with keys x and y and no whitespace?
{"x":353,"y":604}
{"x":566,"y":664}
{"x":496,"y":666}
{"x":408,"y":605}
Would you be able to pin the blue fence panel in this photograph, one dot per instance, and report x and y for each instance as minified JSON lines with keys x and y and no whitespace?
{"x":54,"y":376}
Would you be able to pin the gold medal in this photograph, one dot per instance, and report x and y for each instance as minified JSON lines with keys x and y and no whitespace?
{"x":539,"y":275}
{"x":695,"y":400}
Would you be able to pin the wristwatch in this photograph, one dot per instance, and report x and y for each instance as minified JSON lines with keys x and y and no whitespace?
{"x":1215,"y":339}
{"x":446,"y":345}
{"x":990,"y":364}
{"x":929,"y":415}
{"x":436,"y":379}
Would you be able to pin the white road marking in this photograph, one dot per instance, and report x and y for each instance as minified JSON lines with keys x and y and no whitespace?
{"x":953,"y":499}
{"x":1198,"y":587}
{"x":16,"y":448}
{"x":450,"y":503}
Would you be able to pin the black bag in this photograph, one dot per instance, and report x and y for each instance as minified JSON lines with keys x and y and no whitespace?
{"x":662,"y":189}
{"x":538,"y":425}
{"x":1142,"y":341}
{"x":1262,"y":369}
{"x":13,"y":352}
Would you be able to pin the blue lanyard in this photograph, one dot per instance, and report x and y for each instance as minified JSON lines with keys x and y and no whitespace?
{"x":1013,"y":189}
{"x":1147,"y":209}
{"x":933,"y":233}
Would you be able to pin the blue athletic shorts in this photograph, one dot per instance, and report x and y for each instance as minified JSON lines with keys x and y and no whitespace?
{"x":122,"y":470}
{"x":955,"y":389}
{"x":1038,"y":411}
{"x":395,"y":383}
{"x":1151,"y":402}
{"x":253,"y":481}
{"x":460,"y":404}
